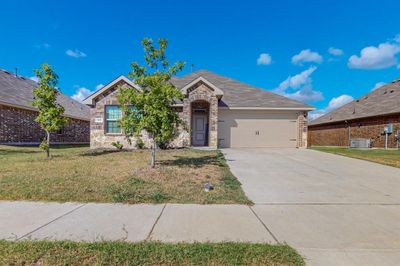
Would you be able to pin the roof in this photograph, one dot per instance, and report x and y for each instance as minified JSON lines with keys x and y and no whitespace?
{"x":382,"y":101}
{"x":237,"y":94}
{"x":18,"y":91}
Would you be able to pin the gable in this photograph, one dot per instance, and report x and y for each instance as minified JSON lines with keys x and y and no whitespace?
{"x":198,"y":82}
{"x":109,"y":89}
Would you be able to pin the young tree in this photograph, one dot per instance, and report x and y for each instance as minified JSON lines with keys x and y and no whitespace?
{"x":50,"y":116}
{"x":150,"y":108}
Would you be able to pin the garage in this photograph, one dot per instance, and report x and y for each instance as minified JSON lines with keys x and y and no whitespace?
{"x":257,"y":128}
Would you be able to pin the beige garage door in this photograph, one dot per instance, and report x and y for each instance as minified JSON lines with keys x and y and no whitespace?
{"x":242,"y":128}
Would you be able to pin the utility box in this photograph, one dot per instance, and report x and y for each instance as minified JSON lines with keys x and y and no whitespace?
{"x":359,"y":143}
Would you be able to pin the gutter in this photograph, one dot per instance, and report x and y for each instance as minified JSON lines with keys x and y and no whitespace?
{"x":269,"y":108}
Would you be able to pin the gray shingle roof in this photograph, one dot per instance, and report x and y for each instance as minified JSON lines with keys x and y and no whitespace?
{"x":238,"y":94}
{"x":17,"y":91}
{"x":382,"y":101}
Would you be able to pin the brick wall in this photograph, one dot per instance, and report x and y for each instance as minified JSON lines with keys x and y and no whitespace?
{"x":200,"y":92}
{"x":337,"y":134}
{"x":302,"y":130}
{"x":17,"y":126}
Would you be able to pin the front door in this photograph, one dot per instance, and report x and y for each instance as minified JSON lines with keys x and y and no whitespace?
{"x":199,"y":130}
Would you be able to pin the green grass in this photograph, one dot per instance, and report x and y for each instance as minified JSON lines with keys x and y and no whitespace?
{"x":386,"y":157}
{"x":145,"y":253}
{"x":83,"y":175}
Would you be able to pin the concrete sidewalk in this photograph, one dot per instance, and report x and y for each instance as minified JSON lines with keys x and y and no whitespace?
{"x":323,"y":234}
{"x":140,"y":222}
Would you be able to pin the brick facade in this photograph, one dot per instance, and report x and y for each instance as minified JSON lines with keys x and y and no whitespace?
{"x":338,"y":134}
{"x":98,"y":136}
{"x":302,"y":130}
{"x":17,"y":126}
{"x":198,"y":93}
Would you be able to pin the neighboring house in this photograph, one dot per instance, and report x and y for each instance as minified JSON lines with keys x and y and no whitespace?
{"x":218,"y":111}
{"x":365,"y":117}
{"x":17,"y":125}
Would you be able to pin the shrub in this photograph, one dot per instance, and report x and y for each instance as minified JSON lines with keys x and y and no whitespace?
{"x":139,"y":143}
{"x":117,"y":145}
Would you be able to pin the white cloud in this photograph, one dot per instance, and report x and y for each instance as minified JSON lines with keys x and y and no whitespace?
{"x":378,"y":85}
{"x":333,"y":104}
{"x":75,"y":53}
{"x":339,"y":101}
{"x":335,"y":51}
{"x":306,"y":56}
{"x":34,"y":78}
{"x":82,"y":93}
{"x":299,"y":87}
{"x":372,"y":57}
{"x":99,"y":86}
{"x":298,"y":80}
{"x":315,"y":114}
{"x":264,"y":59}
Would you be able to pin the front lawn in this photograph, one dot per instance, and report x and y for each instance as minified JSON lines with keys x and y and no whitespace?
{"x":387,"y":157}
{"x":145,"y":253}
{"x":79,"y":174}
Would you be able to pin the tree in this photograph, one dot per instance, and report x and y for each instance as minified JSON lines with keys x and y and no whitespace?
{"x":150,"y":108}
{"x":50,"y":115}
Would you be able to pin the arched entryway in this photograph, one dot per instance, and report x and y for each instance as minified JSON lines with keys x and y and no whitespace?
{"x":200,"y":117}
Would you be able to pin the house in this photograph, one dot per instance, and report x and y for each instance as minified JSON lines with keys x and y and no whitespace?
{"x":218,"y":111}
{"x":365,"y":118}
{"x":17,"y":115}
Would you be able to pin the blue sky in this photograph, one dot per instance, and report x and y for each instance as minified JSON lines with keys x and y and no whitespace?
{"x":276,"y":45}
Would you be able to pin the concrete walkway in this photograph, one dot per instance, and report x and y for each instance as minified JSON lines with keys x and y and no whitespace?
{"x":141,"y":222}
{"x":323,"y":234}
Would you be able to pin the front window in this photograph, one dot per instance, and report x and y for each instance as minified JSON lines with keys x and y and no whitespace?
{"x":113,"y":115}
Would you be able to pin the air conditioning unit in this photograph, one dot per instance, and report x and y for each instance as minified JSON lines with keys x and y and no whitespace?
{"x":360,"y":143}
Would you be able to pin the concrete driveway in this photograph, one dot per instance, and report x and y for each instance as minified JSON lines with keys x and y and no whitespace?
{"x":333,"y":209}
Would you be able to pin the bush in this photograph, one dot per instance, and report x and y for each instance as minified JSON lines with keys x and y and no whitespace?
{"x":117,"y":145}
{"x":139,"y":143}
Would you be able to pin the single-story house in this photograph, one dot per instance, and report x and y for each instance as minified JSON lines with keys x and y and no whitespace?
{"x":363,"y":118}
{"x":17,"y":115}
{"x":218,"y":111}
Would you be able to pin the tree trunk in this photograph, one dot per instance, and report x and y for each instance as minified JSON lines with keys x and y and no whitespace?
{"x":153,"y":154}
{"x":48,"y":144}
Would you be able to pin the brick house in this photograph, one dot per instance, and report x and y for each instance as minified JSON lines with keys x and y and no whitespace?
{"x":365,"y":118}
{"x":218,"y":111}
{"x":17,"y":125}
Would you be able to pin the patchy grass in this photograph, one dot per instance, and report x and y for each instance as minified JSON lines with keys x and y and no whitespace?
{"x":386,"y":157}
{"x":80,"y":174}
{"x":145,"y":253}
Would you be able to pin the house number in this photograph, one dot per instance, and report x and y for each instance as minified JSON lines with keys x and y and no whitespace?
{"x":98,"y":119}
